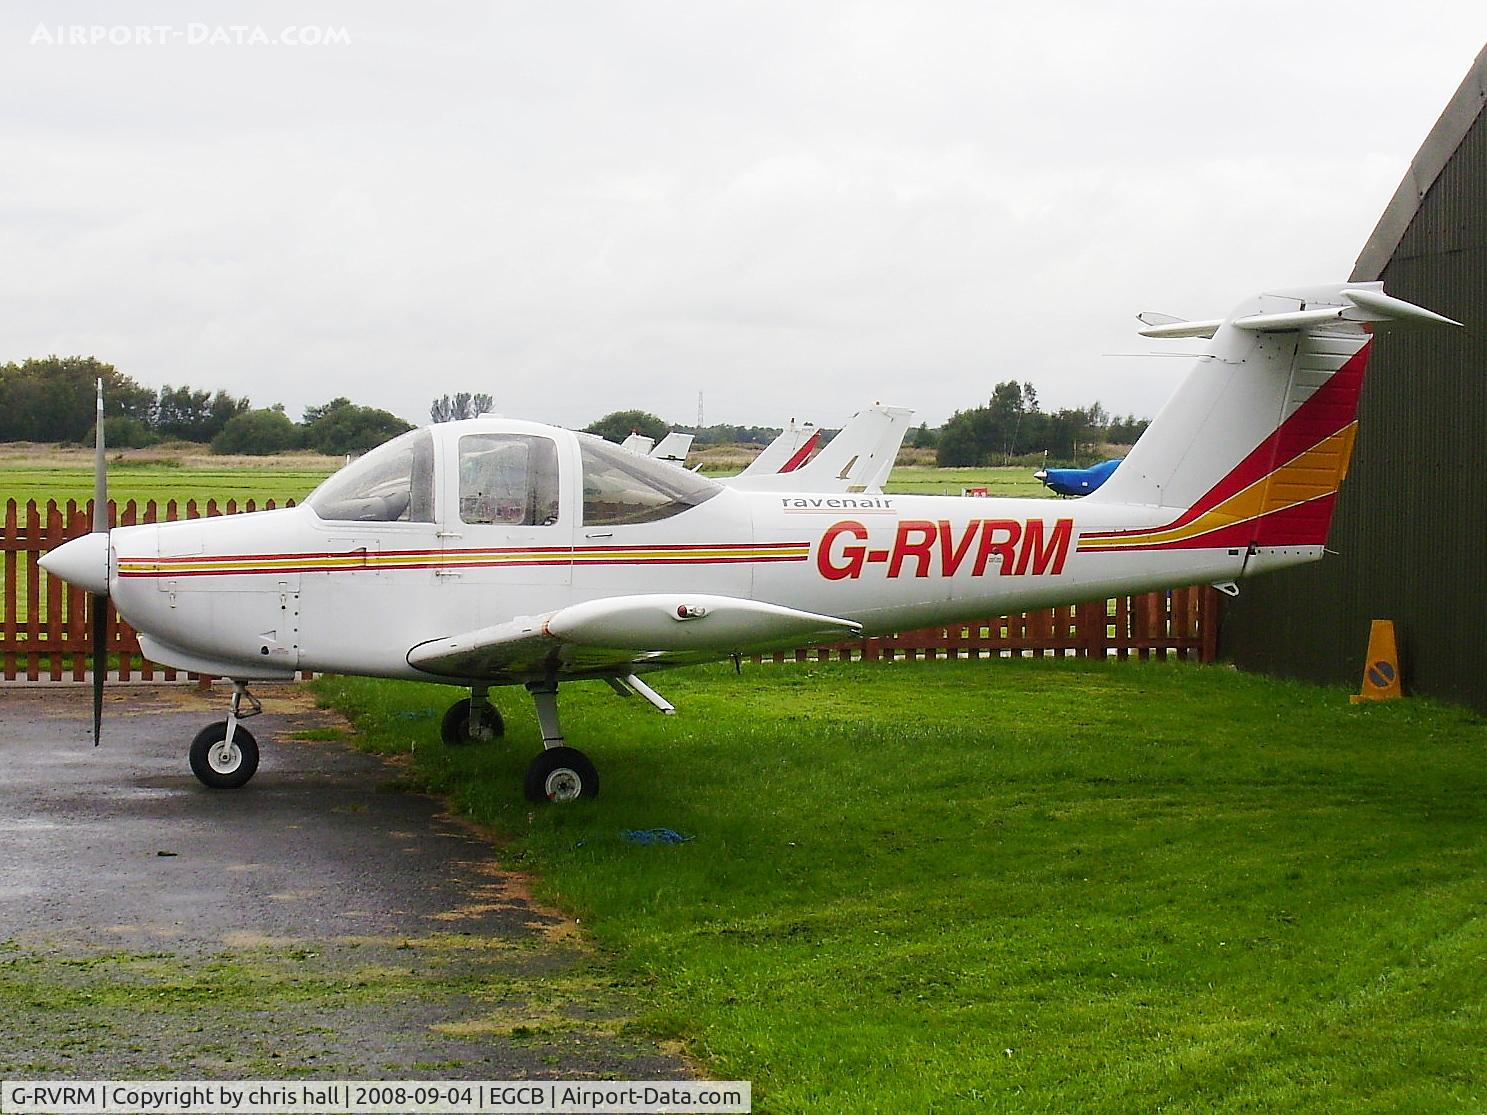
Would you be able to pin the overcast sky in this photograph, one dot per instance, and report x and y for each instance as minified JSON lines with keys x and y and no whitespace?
{"x":795,"y":208}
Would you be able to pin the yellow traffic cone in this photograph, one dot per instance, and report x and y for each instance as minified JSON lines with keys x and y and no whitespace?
{"x":1381,"y":671}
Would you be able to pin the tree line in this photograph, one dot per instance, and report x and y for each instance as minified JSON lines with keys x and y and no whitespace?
{"x":1012,"y":424}
{"x":52,"y":400}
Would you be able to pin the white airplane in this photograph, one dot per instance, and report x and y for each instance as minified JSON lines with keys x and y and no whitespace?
{"x":786,"y":453}
{"x":497,"y":552}
{"x":673,"y":448}
{"x":858,"y":459}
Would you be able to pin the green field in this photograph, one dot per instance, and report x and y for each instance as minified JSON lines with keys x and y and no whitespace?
{"x":69,"y":475}
{"x":1049,"y":885}
{"x":924,"y":480}
{"x":162,"y":479}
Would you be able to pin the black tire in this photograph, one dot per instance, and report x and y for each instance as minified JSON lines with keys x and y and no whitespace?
{"x":561,"y":774}
{"x":219,"y":771}
{"x":455,"y":728}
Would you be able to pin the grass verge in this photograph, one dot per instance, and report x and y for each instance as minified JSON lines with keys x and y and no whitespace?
{"x":1031,"y":885}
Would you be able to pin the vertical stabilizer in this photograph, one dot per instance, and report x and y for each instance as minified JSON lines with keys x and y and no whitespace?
{"x":858,"y":459}
{"x":1251,"y":449}
{"x":786,"y":453}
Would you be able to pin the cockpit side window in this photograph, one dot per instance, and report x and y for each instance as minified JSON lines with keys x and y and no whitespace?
{"x":510,"y":479}
{"x":623,"y":487}
{"x":394,"y":483}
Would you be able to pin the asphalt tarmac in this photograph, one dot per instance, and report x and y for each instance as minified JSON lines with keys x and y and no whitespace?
{"x":318,"y":922}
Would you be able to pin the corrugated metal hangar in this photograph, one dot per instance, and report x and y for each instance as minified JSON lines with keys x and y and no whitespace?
{"x":1410,"y":529}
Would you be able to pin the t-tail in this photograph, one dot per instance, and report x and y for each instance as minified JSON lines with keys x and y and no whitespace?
{"x":1251,"y":449}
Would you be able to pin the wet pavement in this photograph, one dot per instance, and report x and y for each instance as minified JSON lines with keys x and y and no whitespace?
{"x":319,"y":921}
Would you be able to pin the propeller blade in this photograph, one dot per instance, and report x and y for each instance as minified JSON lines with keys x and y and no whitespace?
{"x":100,"y":600}
{"x":100,"y":472}
{"x":100,"y":661}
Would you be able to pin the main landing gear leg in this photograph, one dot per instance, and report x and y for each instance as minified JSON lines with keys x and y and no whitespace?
{"x":560,"y":773}
{"x":224,"y":755}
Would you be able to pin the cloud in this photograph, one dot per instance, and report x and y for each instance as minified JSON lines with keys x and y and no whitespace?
{"x":795,"y":209}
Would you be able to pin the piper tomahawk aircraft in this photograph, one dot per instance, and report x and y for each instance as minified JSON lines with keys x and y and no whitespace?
{"x":495,"y":552}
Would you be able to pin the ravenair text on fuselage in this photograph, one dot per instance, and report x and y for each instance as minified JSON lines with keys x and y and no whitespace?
{"x":498,"y":552}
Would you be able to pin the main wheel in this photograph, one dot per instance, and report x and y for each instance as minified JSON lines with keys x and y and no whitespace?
{"x":561,"y":774}
{"x":455,"y":728}
{"x":221,"y":765}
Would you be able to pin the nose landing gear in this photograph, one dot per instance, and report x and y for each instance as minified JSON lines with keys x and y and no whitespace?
{"x":224,"y":755}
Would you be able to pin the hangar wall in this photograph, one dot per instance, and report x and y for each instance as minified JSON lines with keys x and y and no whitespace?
{"x":1410,"y":529}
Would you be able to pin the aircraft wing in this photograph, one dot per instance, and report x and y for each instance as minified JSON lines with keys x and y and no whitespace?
{"x":618,"y":635}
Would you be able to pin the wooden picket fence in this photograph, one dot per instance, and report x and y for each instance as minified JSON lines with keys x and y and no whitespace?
{"x":1182,"y":623}
{"x":46,"y":626}
{"x":45,"y":629}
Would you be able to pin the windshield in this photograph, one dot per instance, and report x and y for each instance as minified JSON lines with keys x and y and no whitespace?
{"x":623,"y":487}
{"x":394,"y":483}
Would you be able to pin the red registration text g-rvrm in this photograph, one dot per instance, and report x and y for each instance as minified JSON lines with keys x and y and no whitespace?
{"x":922,"y":548}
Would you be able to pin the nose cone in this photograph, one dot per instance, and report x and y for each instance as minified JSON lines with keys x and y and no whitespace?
{"x":82,"y":562}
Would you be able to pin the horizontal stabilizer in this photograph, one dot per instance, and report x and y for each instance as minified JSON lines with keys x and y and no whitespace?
{"x":1359,"y":306}
{"x":1181,"y":329}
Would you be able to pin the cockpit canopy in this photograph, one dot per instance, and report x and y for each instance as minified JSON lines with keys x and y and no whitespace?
{"x":394,"y":483}
{"x":506,"y":478}
{"x":624,"y":487}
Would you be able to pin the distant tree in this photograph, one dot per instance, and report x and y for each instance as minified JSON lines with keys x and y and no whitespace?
{"x":257,"y":433}
{"x":463,"y":405}
{"x":620,"y":424}
{"x":191,"y":415}
{"x":924,"y":437}
{"x":123,"y":431}
{"x":962,"y":439}
{"x":53,"y":399}
{"x":723,"y":434}
{"x":1126,"y":431}
{"x":315,"y":414}
{"x":340,"y":426}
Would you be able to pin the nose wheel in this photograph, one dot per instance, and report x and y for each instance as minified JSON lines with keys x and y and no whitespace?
{"x":224,"y":755}
{"x":222,"y":763}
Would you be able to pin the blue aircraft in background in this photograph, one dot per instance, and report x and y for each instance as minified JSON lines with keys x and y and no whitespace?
{"x":1076,"y":481}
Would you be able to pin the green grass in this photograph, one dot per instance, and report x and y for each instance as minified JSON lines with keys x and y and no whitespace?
{"x":924,"y":480}
{"x":1023,"y":886}
{"x":161,"y":482}
{"x":70,"y":476}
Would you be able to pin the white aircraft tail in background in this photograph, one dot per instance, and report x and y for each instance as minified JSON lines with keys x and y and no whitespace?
{"x":674,"y":448}
{"x":858,"y":459}
{"x":786,"y":453}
